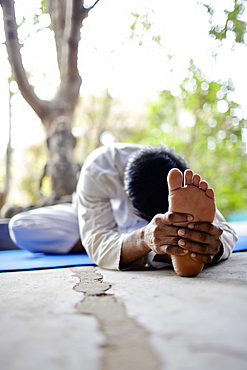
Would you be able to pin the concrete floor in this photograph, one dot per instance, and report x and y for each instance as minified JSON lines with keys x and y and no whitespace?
{"x":89,"y":318}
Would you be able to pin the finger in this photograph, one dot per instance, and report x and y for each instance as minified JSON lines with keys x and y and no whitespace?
{"x":161,"y":245}
{"x":201,"y":258}
{"x":170,"y":218}
{"x":174,"y":251}
{"x":205,"y":227}
{"x":167,"y":231}
{"x":210,"y":249}
{"x":196,"y":236}
{"x":167,"y":240}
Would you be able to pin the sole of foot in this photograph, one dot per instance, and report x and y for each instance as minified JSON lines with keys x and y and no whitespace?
{"x":189,"y":194}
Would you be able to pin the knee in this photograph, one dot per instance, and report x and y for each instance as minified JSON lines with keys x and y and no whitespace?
{"x":16,"y":221}
{"x":13,"y":222}
{"x":17,"y":224}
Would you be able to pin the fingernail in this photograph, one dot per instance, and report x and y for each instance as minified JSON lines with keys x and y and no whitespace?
{"x":181,"y":232}
{"x":191,"y":226}
{"x":193,"y":255}
{"x":181,"y":242}
{"x":189,"y":218}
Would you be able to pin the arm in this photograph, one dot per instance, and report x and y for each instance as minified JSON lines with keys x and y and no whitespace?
{"x":104,"y":210}
{"x":158,"y":236}
{"x":99,"y":232}
{"x":113,"y":250}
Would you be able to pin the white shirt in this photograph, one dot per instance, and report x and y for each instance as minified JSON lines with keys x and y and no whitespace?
{"x":105,"y":212}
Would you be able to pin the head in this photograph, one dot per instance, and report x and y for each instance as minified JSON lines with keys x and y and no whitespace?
{"x":146,"y":179}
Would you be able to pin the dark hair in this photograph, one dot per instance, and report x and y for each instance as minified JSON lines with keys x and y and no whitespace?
{"x":146,"y":179}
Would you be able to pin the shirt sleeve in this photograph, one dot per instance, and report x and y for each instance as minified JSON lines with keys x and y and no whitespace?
{"x":99,"y":232}
{"x":228,"y":237}
{"x":99,"y":185}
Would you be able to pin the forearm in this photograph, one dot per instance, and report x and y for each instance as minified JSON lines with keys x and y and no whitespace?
{"x":134,"y":249}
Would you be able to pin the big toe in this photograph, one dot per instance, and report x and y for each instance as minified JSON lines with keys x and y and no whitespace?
{"x":175,"y":179}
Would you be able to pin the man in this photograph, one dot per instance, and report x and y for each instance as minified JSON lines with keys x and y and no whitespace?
{"x":120,"y":213}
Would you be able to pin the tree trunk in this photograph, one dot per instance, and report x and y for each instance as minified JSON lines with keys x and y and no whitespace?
{"x":56,"y":115}
{"x":7,"y":179}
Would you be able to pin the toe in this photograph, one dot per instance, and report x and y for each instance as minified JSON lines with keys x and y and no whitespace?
{"x":196,"y":180}
{"x":188,"y":177}
{"x":203,"y":185}
{"x":175,"y":179}
{"x":210,"y":193}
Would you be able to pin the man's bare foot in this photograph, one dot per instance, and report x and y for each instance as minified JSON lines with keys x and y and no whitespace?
{"x":194,"y":198}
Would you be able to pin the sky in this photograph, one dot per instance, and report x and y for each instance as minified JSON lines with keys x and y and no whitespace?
{"x":109,"y":59}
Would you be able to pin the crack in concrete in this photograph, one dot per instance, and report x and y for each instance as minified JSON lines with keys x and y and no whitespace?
{"x":127,"y":343}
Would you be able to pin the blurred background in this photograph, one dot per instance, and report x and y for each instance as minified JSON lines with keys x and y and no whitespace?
{"x":151,"y":72}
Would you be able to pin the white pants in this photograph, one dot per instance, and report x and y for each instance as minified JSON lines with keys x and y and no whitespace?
{"x":52,"y":229}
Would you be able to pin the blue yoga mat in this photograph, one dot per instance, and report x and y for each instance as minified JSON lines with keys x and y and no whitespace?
{"x":18,"y":260}
{"x":241,"y":244}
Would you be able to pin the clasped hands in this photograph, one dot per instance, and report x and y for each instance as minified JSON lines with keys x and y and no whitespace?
{"x":176,"y":234}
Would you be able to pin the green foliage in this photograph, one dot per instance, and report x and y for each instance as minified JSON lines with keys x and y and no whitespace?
{"x":44,"y":6}
{"x":232,"y":22}
{"x":141,"y":27}
{"x":37,"y":22}
{"x":206,"y":126}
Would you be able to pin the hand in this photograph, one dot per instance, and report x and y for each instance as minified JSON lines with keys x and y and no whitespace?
{"x":202,"y":239}
{"x":161,"y":235}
